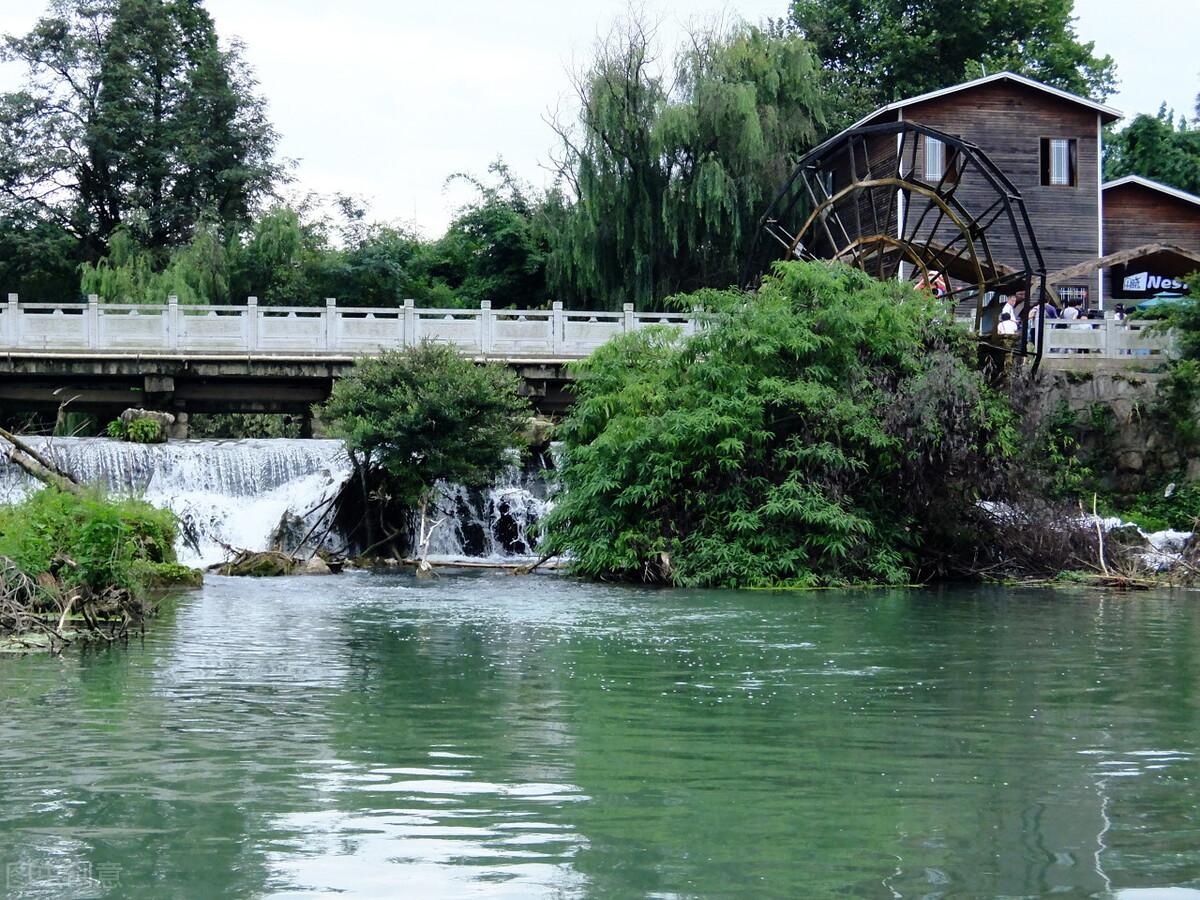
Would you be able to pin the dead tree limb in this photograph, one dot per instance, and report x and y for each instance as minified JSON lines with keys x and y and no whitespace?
{"x":35,"y":467}
{"x":26,"y":448}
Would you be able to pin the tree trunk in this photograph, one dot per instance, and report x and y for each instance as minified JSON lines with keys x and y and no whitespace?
{"x":424,"y":569}
{"x":37,"y":465}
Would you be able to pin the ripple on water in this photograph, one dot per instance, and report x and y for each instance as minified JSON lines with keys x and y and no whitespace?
{"x":502,"y":737}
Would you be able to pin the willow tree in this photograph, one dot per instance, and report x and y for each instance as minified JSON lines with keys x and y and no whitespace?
{"x":664,"y":180}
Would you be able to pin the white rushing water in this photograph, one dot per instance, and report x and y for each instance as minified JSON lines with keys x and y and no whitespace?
{"x":239,"y":493}
{"x":232,"y":493}
{"x":495,"y":524}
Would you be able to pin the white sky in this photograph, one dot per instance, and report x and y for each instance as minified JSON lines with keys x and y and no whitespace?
{"x":385,"y":98}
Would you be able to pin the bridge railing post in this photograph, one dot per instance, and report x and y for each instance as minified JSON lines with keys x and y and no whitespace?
{"x":251,"y":323}
{"x":93,"y":321}
{"x":487,"y":319}
{"x":12,"y":322}
{"x":330,"y":323}
{"x":627,"y":320}
{"x":558,"y":331}
{"x":172,"y":323}
{"x":409,"y":338}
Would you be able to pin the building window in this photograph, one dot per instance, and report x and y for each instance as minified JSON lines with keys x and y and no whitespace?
{"x":941,"y":161}
{"x":1059,"y":162}
{"x":1068,"y":293}
{"x":935,"y":159}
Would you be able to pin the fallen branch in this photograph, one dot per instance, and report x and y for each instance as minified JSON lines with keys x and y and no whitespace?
{"x":37,"y":465}
{"x":529,"y":570}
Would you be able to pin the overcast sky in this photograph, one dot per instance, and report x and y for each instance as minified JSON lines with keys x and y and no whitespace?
{"x":384,"y":99}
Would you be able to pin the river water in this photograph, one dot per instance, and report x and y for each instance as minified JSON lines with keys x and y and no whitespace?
{"x":373,"y":736}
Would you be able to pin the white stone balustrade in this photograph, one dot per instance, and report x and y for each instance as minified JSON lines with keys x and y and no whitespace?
{"x":1129,"y":341}
{"x":329,"y":330}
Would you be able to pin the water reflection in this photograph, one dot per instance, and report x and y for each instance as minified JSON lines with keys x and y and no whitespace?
{"x":372,"y":736}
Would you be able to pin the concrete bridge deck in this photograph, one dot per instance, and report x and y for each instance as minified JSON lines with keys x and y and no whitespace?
{"x":106,"y":357}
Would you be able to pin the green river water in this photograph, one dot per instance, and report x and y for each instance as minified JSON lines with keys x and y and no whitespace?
{"x":371,"y":736}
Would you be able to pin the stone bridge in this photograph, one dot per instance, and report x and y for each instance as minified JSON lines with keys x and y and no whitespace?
{"x":106,"y":357}
{"x":252,"y":358}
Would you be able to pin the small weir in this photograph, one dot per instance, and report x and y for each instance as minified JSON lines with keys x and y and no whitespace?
{"x":246,"y":493}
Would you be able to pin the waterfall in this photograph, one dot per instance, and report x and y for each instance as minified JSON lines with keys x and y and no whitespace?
{"x":496,"y":523}
{"x":245,"y":493}
{"x":224,"y":492}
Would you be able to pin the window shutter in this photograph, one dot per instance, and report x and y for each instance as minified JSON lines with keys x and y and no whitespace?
{"x":1045,"y":160}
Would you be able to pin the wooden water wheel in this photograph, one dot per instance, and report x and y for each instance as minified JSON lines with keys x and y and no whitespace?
{"x":901,"y":200}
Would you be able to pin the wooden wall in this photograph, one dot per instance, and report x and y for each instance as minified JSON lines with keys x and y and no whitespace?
{"x":1007,"y":121}
{"x":1135,"y":215}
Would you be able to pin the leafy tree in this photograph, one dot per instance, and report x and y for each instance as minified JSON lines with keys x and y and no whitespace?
{"x":196,"y":273}
{"x":427,"y":414}
{"x":827,"y":429}
{"x":1155,"y":147}
{"x":499,"y":242}
{"x":663,"y":182}
{"x":131,"y":117}
{"x":38,"y":260}
{"x":878,"y":51}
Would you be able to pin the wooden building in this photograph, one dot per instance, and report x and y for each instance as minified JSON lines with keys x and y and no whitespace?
{"x":1138,"y":212}
{"x":1047,"y":141}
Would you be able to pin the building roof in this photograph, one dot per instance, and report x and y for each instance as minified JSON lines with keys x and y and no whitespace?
{"x":1107,"y":113}
{"x":1153,"y":186}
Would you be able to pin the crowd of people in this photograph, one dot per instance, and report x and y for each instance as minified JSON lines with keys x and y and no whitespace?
{"x":1018,"y":308}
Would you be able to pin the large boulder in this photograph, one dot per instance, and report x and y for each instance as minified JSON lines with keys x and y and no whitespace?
{"x":163,"y":421}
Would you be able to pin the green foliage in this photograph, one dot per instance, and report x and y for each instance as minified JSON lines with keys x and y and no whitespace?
{"x":90,"y":542}
{"x":243,"y":425}
{"x":132,"y":116}
{"x":39,"y":260}
{"x":1174,"y":506}
{"x":1155,"y":147}
{"x":499,"y":243}
{"x":826,"y":429}
{"x":878,"y":51}
{"x":138,"y":431}
{"x":1177,"y":403}
{"x":426,"y":414}
{"x":1069,"y":474}
{"x":667,"y":183}
{"x":143,"y":431}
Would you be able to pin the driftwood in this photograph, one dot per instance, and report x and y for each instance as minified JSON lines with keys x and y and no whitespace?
{"x":514,"y":568}
{"x":38,"y":466}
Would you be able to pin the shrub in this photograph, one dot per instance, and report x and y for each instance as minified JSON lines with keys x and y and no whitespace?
{"x":827,"y":429}
{"x":115,"y":430}
{"x":143,"y":431}
{"x":90,"y":542}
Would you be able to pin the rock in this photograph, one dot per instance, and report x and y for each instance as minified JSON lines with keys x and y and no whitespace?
{"x":163,"y":420}
{"x":315,"y":566}
{"x":1131,"y":461}
{"x":538,"y":430}
{"x":263,"y":564}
